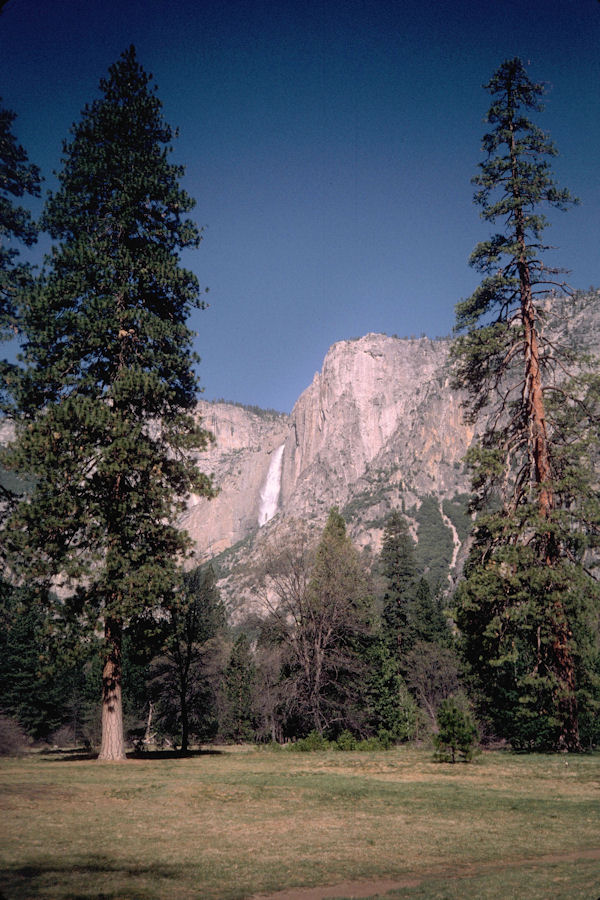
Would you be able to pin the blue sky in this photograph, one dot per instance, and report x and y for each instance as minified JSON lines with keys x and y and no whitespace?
{"x":329,"y":145}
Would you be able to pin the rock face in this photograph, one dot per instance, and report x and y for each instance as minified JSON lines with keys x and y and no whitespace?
{"x":381,"y":405}
{"x":239,"y":462}
{"x":379,"y":428}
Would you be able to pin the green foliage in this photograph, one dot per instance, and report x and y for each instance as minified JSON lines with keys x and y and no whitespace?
{"x":50,"y":676}
{"x":435,"y":547}
{"x":269,"y":414}
{"x":457,"y":510}
{"x":322,"y":621}
{"x":509,"y":610}
{"x":410,"y":613}
{"x":18,"y":177}
{"x":457,"y":733}
{"x":393,"y":710}
{"x":238,"y":718}
{"x":345,"y":741}
{"x":528,"y":610}
{"x":397,"y":562}
{"x":428,"y":623}
{"x":185,"y":671}
{"x":105,"y":400}
{"x":313,"y":742}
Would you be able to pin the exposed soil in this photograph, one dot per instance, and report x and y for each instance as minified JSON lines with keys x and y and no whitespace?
{"x":358,"y":889}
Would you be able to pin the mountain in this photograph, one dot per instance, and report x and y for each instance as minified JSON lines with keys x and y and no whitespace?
{"x":378,"y":428}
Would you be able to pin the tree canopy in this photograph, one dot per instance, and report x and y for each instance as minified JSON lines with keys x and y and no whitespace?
{"x":104,"y":404}
{"x":528,"y":598}
{"x":18,"y":178}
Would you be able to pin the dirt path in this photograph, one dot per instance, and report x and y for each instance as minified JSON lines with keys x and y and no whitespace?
{"x":358,"y":889}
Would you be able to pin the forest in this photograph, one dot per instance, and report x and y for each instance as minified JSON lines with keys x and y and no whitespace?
{"x":112,"y":638}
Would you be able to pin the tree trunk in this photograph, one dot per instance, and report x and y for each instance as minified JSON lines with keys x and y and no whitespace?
{"x":538,"y":434}
{"x":539,"y":451}
{"x":185,"y":728}
{"x":566,"y":700}
{"x":113,"y":743}
{"x":148,"y":734}
{"x":541,"y":475}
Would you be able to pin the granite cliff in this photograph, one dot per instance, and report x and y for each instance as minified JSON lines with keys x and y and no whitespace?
{"x":378,"y":428}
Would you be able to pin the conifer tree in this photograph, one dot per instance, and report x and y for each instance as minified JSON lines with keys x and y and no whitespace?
{"x":526,"y":606}
{"x":106,"y":400}
{"x":18,"y":177}
{"x":397,"y":561}
{"x":180,"y":672}
{"x":239,"y":683}
{"x":428,"y":622}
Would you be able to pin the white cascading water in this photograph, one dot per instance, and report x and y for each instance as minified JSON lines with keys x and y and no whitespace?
{"x":269,"y":495}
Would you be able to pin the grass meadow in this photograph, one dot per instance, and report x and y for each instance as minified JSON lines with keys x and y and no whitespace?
{"x":245,"y":822}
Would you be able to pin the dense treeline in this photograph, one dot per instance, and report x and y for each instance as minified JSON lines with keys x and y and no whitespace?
{"x":324,"y":653}
{"x":339,"y":648}
{"x":98,"y":598}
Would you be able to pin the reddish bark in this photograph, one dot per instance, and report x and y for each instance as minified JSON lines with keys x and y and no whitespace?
{"x":541,"y":473}
{"x":113,"y":742}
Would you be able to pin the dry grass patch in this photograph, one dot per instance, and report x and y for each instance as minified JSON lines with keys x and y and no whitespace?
{"x":231,"y":825}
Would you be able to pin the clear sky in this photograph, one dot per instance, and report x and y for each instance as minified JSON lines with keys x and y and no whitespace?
{"x":329,"y":145}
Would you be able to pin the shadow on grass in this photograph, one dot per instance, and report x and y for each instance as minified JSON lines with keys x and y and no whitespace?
{"x":78,"y":754}
{"x":172,"y":754}
{"x":84,"y":879}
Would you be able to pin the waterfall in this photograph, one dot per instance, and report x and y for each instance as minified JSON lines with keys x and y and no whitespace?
{"x":269,"y":495}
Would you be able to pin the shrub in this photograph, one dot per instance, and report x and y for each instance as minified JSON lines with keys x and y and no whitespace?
{"x":456,"y":731}
{"x":13,"y":739}
{"x":346,"y":741}
{"x":373,"y":743}
{"x":386,"y":738}
{"x":311,"y":743}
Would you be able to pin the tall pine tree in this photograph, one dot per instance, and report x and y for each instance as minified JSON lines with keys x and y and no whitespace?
{"x":106,"y":400}
{"x":18,"y":178}
{"x":527,"y":603}
{"x":397,"y":560}
{"x":238,"y":693}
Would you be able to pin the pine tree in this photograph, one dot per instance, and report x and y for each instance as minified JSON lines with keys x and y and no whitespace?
{"x":18,"y":177}
{"x":427,"y":620}
{"x":398,"y":568}
{"x":180,"y":673}
{"x":526,"y":591}
{"x":106,"y":400}
{"x":392,"y":708}
{"x":26,"y":692}
{"x":456,"y":731}
{"x":239,"y":682}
